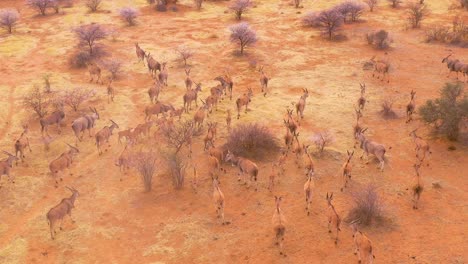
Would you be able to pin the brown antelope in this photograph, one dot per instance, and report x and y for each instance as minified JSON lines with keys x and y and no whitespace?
{"x":214,"y":166}
{"x":299,"y":150}
{"x":153,"y":65}
{"x":244,"y":100}
{"x":362,"y":246}
{"x":94,"y":70}
{"x":282,"y":161}
{"x":199,"y":116}
{"x":264,"y":81}
{"x":309,"y":167}
{"x":211,"y":101}
{"x":381,"y":68}
{"x":110,"y":92}
{"x":279,"y":224}
{"x":421,"y":145}
{"x":273,"y":174}
{"x":245,"y":166}
{"x":83,"y":123}
{"x":47,"y":140}
{"x":290,"y":123}
{"x":188,"y":80}
{"x":449,"y":61}
{"x":333,"y":217}
{"x":218,"y":198}
{"x":308,"y":188}
{"x":346,"y":169}
{"x":220,"y":154}
{"x":357,"y":127}
{"x":418,"y":186}
{"x":456,"y":66}
{"x":163,"y":74}
{"x":63,"y":162}
{"x":300,"y":106}
{"x":55,"y":117}
{"x":217,"y":91}
{"x":226,"y":82}
{"x":58,"y":212}
{"x":228,"y":120}
{"x":156,"y":109}
{"x":154,"y":90}
{"x":144,"y":129}
{"x":123,"y":161}
{"x":410,"y":107}
{"x":371,"y":147}
{"x":140,"y":53}
{"x":21,"y":143}
{"x":6,"y":165}
{"x":210,"y":136}
{"x":362,"y":100}
{"x":104,"y":135}
{"x":124,"y":134}
{"x":190,"y":96}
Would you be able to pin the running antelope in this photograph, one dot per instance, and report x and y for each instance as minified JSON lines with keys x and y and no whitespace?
{"x":6,"y":165}
{"x":381,"y":68}
{"x":210,"y":136}
{"x":357,"y":127}
{"x":104,"y":135}
{"x":21,"y":143}
{"x":308,"y":188}
{"x":55,"y":117}
{"x":140,"y":53}
{"x":264,"y":81}
{"x":362,"y":100}
{"x":309,"y":167}
{"x":244,"y":100}
{"x":421,"y":145}
{"x":219,"y":154}
{"x":58,"y":212}
{"x":289,"y":121}
{"x":334,"y":219}
{"x":124,"y":161}
{"x":418,"y":186}
{"x":63,"y":162}
{"x":299,"y":150}
{"x":362,"y":246}
{"x":300,"y":106}
{"x":188,"y":80}
{"x":190,"y":96}
{"x":156,"y":109}
{"x":273,"y":174}
{"x":410,"y":107}
{"x":245,"y":167}
{"x":371,"y":147}
{"x":85,"y":123}
{"x":279,"y":224}
{"x":94,"y":71}
{"x":346,"y":169}
{"x":218,"y":198}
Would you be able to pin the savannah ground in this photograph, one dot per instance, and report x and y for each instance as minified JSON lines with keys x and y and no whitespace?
{"x":117,"y":222}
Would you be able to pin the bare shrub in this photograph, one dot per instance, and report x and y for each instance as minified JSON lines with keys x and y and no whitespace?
{"x":41,"y":5}
{"x":77,"y":96}
{"x":114,"y":66}
{"x":79,"y":59}
{"x":416,"y":13}
{"x":239,"y":7}
{"x":8,"y":19}
{"x":395,"y":3}
{"x":177,"y":169}
{"x":145,"y":162}
{"x":437,"y":34}
{"x":184,"y":53}
{"x":379,"y":39}
{"x":387,"y":110}
{"x":350,"y":10}
{"x":243,"y":35}
{"x":330,"y":21}
{"x":129,"y":14}
{"x":198,"y":4}
{"x":372,"y":4}
{"x":93,"y":5}
{"x":253,"y":141}
{"x":38,"y":101}
{"x":323,"y":139}
{"x":88,"y":35}
{"x":367,"y":207}
{"x":178,"y":135}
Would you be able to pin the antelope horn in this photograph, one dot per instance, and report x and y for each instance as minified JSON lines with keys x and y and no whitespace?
{"x":71,"y":189}
{"x":9,"y":154}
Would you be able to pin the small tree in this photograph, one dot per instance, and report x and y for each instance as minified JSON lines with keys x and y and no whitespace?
{"x":177,"y":170}
{"x":379,"y":39}
{"x":88,"y":35}
{"x":243,"y":35}
{"x":184,"y":53}
{"x":367,"y":208}
{"x":93,"y":5}
{"x":372,"y":4}
{"x":8,"y":19}
{"x":114,"y":66}
{"x":38,"y":101}
{"x":176,"y":136}
{"x":198,"y":4}
{"x":416,"y":13}
{"x":41,"y":5}
{"x":239,"y":7}
{"x":323,"y":139}
{"x":395,"y":3}
{"x":329,"y":21}
{"x":350,"y":9}
{"x":77,"y":96}
{"x":129,"y":14}
{"x":145,"y":163}
{"x":447,"y":112}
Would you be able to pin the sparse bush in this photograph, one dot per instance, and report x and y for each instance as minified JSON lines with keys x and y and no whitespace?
{"x":330,"y":21}
{"x":129,"y":14}
{"x":184,"y":53}
{"x":350,"y":10}
{"x":437,"y":33}
{"x":88,"y":35}
{"x":367,"y":208}
{"x":114,"y":66}
{"x":447,"y":112}
{"x":198,"y":4}
{"x":372,"y":4}
{"x":41,"y":5}
{"x":243,"y":35}
{"x":379,"y":39}
{"x":416,"y":13}
{"x":457,"y":35}
{"x":38,"y":101}
{"x":8,"y":19}
{"x":93,"y":5}
{"x":80,"y":59}
{"x":177,"y":170}
{"x":323,"y":139}
{"x":253,"y":141}
{"x":77,"y":96}
{"x":239,"y":7}
{"x":145,"y":163}
{"x":178,"y":135}
{"x":387,"y":110}
{"x":395,"y":3}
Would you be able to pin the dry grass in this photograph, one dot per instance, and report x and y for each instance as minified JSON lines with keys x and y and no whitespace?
{"x":367,"y":207}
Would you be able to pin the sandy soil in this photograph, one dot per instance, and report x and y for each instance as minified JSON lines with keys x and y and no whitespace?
{"x":116,"y":222}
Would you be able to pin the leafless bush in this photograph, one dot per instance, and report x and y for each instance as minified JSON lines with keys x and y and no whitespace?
{"x":239,"y":7}
{"x":387,"y":110}
{"x":350,"y":10}
{"x":379,"y":39}
{"x":367,"y":208}
{"x":416,"y":13}
{"x":38,"y":101}
{"x":372,"y":4}
{"x":145,"y":162}
{"x":243,"y":35}
{"x":8,"y":19}
{"x":323,"y":139}
{"x":330,"y":21}
{"x":437,"y":33}
{"x":41,"y":5}
{"x":88,"y":35}
{"x":79,"y":59}
{"x":184,"y":53}
{"x":177,"y":169}
{"x":93,"y":5}
{"x":129,"y":14}
{"x":395,"y":3}
{"x":77,"y":96}
{"x":198,"y":4}
{"x":178,"y":135}
{"x":253,"y":140}
{"x":114,"y":66}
